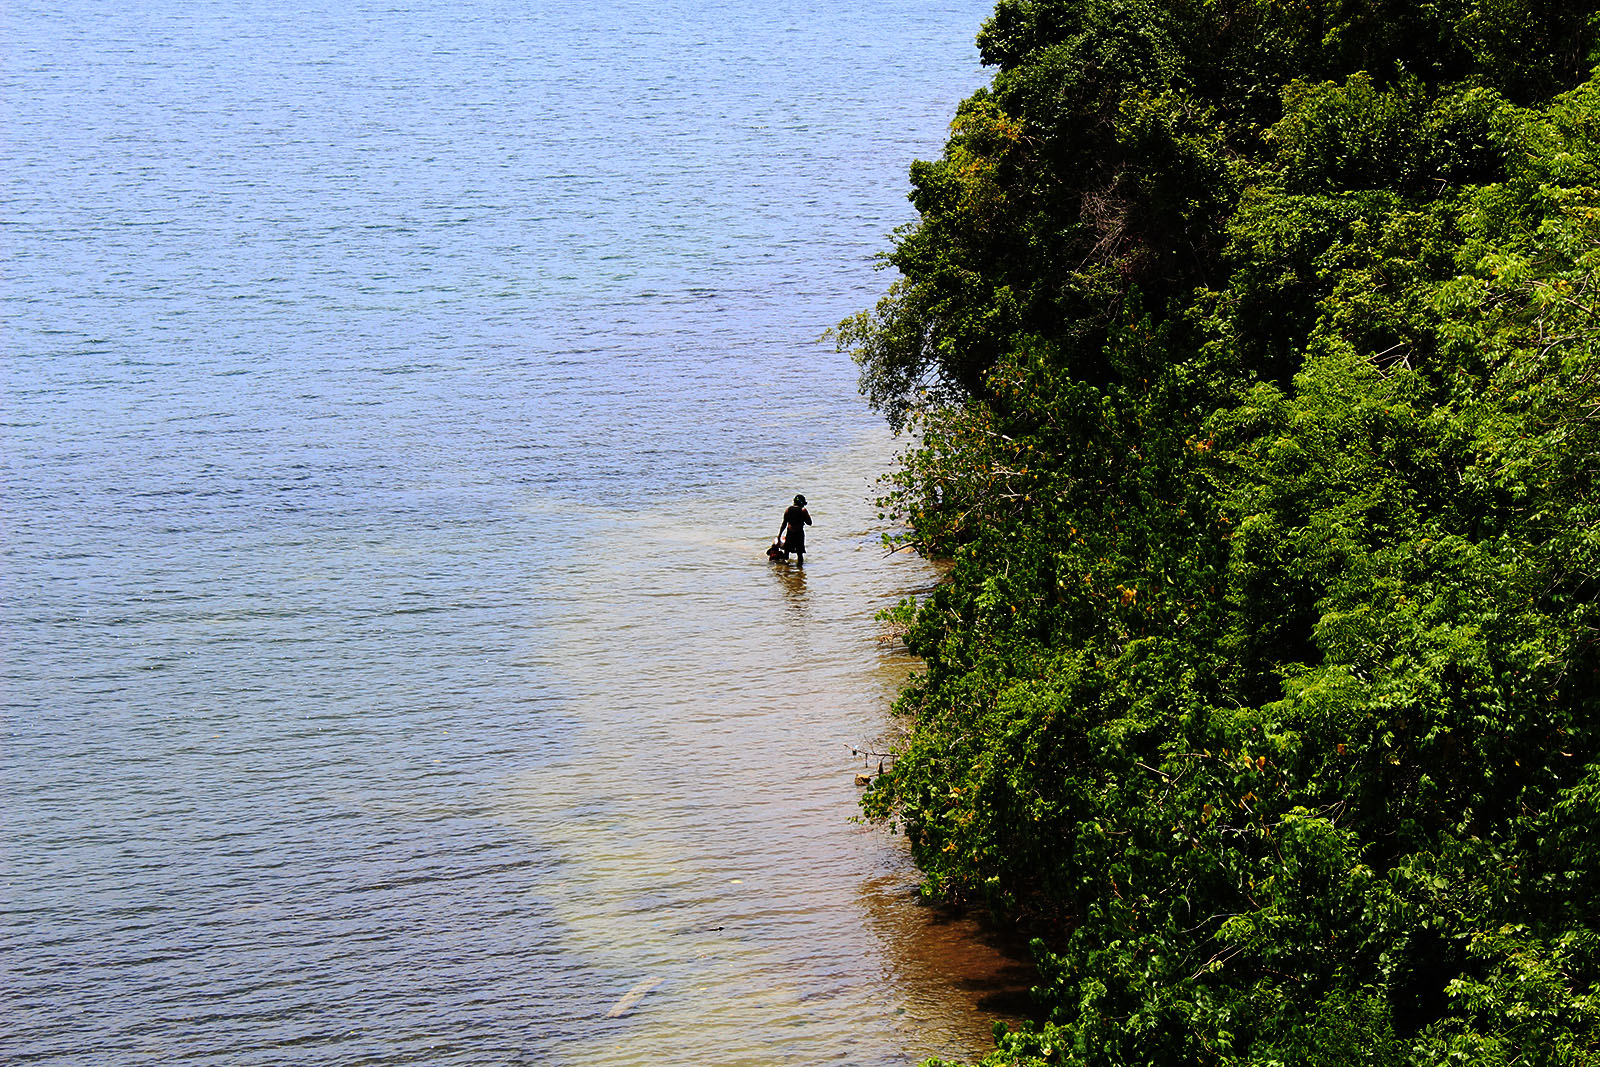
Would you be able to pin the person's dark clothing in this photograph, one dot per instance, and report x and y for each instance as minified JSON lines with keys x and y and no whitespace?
{"x":795,"y":521}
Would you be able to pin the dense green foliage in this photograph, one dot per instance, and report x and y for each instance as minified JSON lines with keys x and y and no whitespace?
{"x":1250,"y":352}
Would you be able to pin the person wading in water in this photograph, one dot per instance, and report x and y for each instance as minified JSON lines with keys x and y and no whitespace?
{"x":793,"y":531}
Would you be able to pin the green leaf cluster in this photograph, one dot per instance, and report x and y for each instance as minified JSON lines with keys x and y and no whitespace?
{"x":1249,"y":353}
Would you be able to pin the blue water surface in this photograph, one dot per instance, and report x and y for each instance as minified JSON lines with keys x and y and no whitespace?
{"x":369,"y":368}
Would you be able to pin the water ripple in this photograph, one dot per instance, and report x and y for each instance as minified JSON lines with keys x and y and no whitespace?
{"x":397,"y":398}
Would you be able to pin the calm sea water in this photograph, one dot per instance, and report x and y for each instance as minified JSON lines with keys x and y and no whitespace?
{"x":397,"y":398}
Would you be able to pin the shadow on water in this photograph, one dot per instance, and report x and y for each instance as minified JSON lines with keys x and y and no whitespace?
{"x":945,"y":958}
{"x":990,"y":965}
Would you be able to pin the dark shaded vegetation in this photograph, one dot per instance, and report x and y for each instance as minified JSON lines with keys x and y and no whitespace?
{"x":1249,"y":349}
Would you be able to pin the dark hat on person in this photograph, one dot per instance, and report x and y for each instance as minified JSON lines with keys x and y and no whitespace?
{"x":800,"y":501}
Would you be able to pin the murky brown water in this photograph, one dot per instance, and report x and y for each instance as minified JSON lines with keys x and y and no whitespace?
{"x":707,"y":806}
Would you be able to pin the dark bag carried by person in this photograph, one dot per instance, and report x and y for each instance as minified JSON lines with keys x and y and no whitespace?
{"x":775,"y":551}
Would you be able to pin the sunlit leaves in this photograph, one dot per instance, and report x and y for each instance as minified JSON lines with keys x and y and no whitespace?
{"x":1247,"y":354}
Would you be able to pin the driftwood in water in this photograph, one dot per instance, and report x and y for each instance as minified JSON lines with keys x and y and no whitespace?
{"x":631,"y":998}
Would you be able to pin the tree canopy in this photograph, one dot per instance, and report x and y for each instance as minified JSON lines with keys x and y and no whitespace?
{"x":1248,"y":349}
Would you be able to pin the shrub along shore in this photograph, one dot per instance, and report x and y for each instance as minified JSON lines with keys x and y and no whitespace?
{"x":1248,"y":350}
